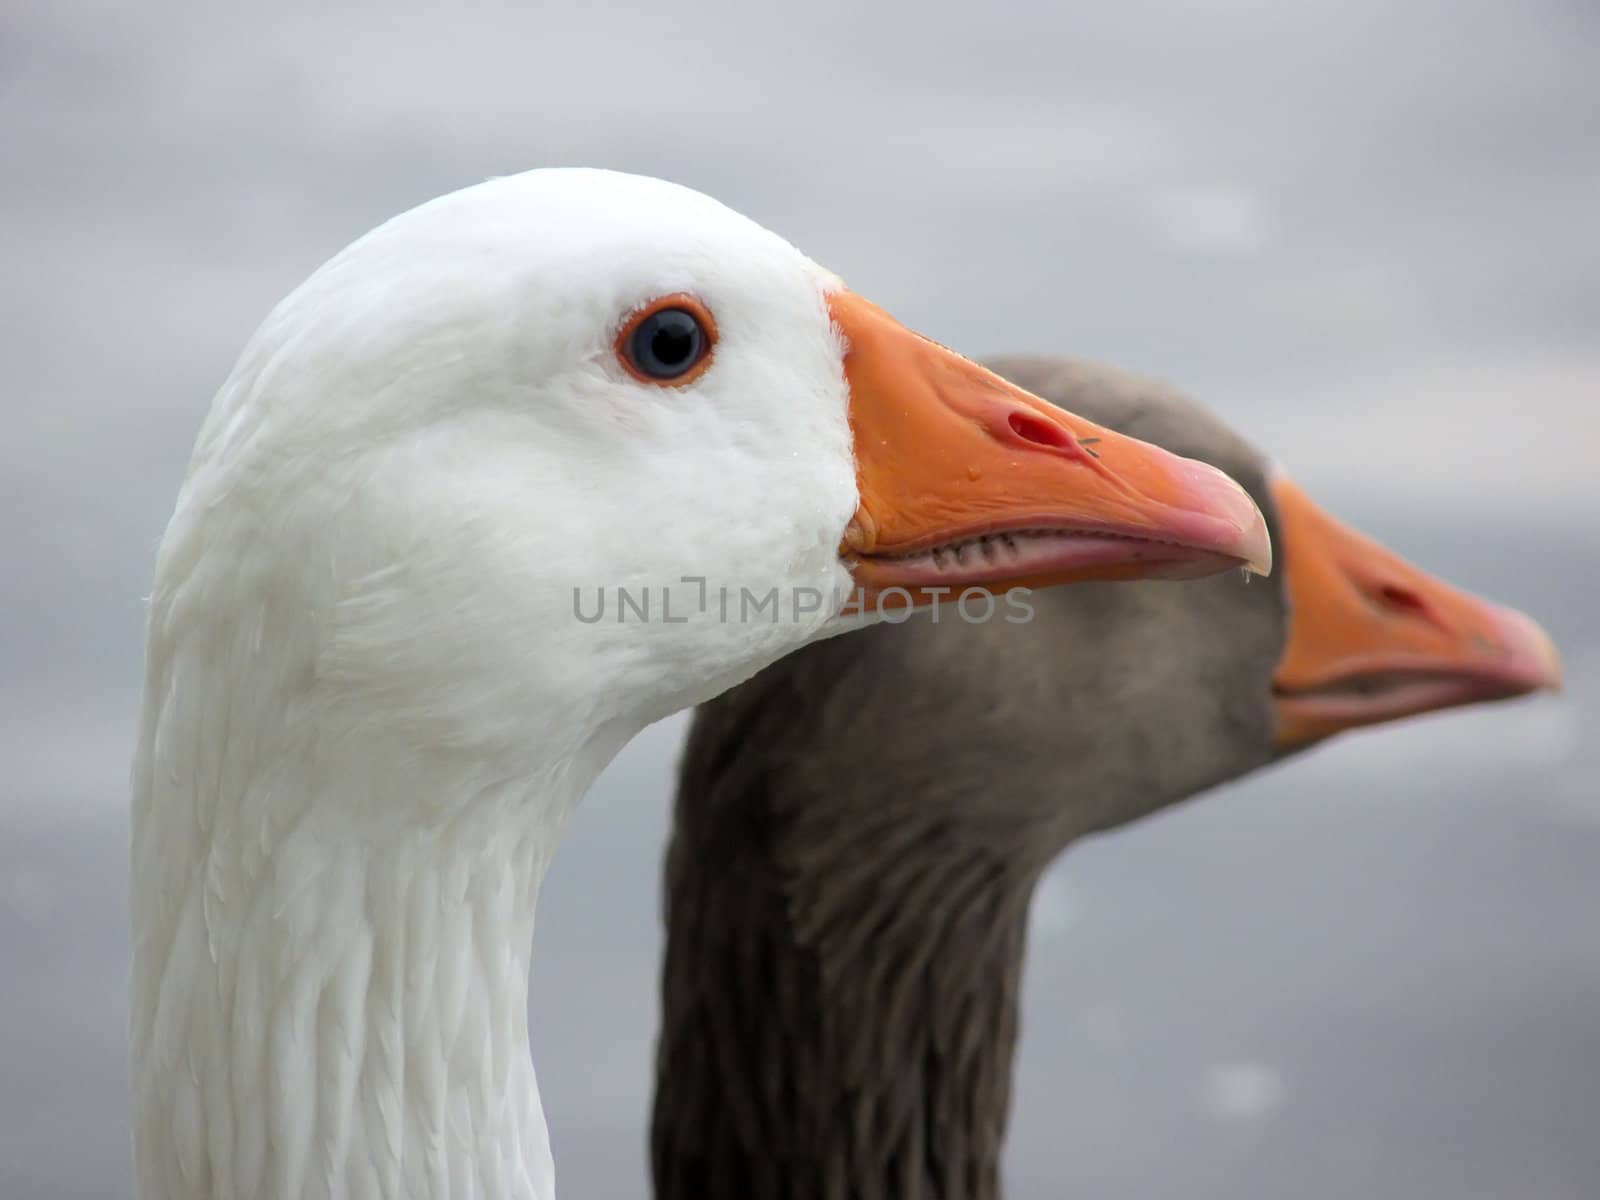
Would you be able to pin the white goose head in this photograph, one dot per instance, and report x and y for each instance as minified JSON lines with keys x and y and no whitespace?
{"x":375,"y":683}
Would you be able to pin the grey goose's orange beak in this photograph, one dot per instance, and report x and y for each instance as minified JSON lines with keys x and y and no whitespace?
{"x":1373,"y":638}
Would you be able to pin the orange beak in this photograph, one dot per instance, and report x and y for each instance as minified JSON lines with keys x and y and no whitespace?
{"x":1372,"y":638}
{"x":968,"y":481}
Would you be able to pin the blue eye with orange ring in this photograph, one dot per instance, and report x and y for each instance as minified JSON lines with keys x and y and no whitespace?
{"x":669,"y":341}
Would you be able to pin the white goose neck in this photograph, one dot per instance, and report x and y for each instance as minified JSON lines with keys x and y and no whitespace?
{"x":325,"y":1007}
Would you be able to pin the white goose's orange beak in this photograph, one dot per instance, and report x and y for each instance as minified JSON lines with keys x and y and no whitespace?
{"x":1373,"y":639}
{"x":968,"y":481}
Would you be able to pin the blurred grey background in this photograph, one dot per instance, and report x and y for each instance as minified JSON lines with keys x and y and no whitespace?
{"x":1367,"y":233}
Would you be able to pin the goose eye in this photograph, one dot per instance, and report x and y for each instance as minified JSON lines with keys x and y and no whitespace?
{"x":667,"y":341}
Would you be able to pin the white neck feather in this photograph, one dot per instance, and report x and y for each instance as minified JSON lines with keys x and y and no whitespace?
{"x":331,"y":1006}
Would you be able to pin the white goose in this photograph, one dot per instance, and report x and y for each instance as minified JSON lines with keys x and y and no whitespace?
{"x":375,"y":689}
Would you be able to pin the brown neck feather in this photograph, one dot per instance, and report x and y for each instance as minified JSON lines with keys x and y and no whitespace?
{"x":833,"y":1034}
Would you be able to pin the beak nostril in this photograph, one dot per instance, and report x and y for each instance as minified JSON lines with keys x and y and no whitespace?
{"x":1401,"y":600}
{"x":1040,"y":432}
